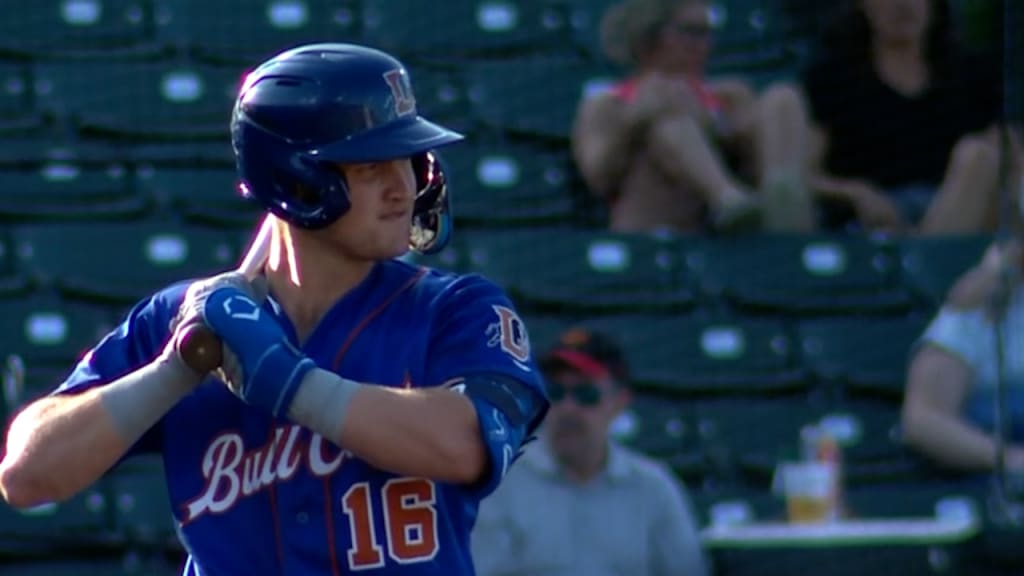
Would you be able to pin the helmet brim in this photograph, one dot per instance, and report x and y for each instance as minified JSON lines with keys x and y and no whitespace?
{"x":397,"y":140}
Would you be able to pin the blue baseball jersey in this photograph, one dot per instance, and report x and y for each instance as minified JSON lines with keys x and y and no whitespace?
{"x":257,"y":495}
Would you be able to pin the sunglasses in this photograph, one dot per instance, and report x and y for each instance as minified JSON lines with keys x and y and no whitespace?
{"x":583,"y":394}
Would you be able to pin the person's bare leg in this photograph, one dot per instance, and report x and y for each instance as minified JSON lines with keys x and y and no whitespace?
{"x":968,"y":200}
{"x":780,"y":146}
{"x":681,"y":150}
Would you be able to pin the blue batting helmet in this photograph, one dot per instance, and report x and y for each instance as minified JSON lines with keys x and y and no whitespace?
{"x":306,"y":109}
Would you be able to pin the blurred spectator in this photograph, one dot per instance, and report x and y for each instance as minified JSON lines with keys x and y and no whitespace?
{"x":904,"y":134}
{"x":949,"y":409}
{"x":577,"y":502}
{"x":668,"y":148}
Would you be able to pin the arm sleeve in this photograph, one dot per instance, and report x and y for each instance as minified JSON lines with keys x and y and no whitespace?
{"x":132,"y":344}
{"x":963,"y":333}
{"x":481,"y":348}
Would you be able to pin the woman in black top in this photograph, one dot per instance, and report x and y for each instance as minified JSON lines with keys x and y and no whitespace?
{"x":904,"y":122}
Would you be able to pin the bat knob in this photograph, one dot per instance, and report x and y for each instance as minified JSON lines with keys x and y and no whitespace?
{"x":199,"y":348}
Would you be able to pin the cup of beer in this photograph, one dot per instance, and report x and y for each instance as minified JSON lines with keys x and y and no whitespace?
{"x":810,"y":491}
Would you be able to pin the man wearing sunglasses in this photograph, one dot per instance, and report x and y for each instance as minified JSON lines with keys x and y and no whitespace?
{"x":579,"y":503}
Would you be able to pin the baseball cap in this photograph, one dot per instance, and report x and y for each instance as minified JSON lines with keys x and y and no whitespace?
{"x":590,"y":353}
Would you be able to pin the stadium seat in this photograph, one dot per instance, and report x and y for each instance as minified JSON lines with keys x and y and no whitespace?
{"x":585,"y":18}
{"x":700,"y":357}
{"x":141,"y":506}
{"x":130,"y":564}
{"x":77,"y":523}
{"x":140,"y":100}
{"x":16,"y":99}
{"x":805,"y":276}
{"x":931,"y":265}
{"x":13,"y":281}
{"x":41,"y":338}
{"x":509,"y":184}
{"x":573,"y":271}
{"x":118,"y":263}
{"x":872,"y":443}
{"x":745,"y":440}
{"x":861,"y":356}
{"x":534,"y":98}
{"x":47,"y":28}
{"x":665,"y":430}
{"x":201,"y":195}
{"x":544,"y":331}
{"x":68,"y":189}
{"x":441,"y":94}
{"x":465,"y":28}
{"x":226,"y":32}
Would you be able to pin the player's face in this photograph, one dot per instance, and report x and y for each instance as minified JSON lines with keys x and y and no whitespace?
{"x":898,"y":21}
{"x":686,"y":40}
{"x":378,"y":223}
{"x":581,"y":412}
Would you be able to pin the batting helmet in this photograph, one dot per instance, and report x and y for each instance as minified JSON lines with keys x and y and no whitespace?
{"x":306,"y":109}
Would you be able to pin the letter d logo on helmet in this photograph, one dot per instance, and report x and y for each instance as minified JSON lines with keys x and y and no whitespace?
{"x":309,"y":108}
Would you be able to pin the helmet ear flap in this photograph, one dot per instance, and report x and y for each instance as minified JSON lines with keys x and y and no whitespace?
{"x":306,"y":191}
{"x":432,"y":218}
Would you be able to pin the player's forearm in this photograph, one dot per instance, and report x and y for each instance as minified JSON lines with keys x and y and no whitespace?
{"x":430,"y":433}
{"x":60,"y":445}
{"x":948,"y":440}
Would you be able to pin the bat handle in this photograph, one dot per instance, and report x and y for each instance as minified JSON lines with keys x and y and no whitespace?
{"x":199,"y":348}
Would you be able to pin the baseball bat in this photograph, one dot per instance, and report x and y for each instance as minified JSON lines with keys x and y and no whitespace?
{"x":197,"y":345}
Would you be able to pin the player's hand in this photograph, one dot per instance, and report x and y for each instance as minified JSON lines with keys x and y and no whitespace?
{"x":261,"y":366}
{"x":190,"y":310}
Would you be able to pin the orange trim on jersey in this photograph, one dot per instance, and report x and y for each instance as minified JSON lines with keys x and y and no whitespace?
{"x":335,"y":365}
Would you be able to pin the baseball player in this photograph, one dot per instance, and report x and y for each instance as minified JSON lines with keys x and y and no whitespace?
{"x":364,"y":406}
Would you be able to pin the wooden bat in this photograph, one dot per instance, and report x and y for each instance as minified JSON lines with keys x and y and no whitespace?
{"x":198,"y":346}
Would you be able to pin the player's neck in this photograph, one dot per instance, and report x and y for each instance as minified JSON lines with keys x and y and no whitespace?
{"x":308,"y":278}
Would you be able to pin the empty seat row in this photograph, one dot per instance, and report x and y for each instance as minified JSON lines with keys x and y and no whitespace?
{"x":188,"y":99}
{"x":494,"y":182}
{"x":222,"y":30}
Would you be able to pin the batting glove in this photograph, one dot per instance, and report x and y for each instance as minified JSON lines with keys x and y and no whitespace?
{"x":261,"y":366}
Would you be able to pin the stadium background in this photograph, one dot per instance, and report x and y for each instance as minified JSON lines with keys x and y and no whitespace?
{"x":116,"y":177}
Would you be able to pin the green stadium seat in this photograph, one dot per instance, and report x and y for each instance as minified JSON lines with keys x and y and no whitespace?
{"x":190,"y":153}
{"x":465,"y":28}
{"x":745,"y":440}
{"x":78,"y":522}
{"x":202,"y":195}
{"x":545,"y":332}
{"x":140,"y":100}
{"x":16,"y":103}
{"x":931,"y":265}
{"x":700,"y":357}
{"x":805,"y":276}
{"x":118,"y":263}
{"x":226,"y":32}
{"x":130,"y":564}
{"x":533,"y":98}
{"x":574,"y":271}
{"x":12,"y":279}
{"x":441,"y":94}
{"x":41,"y":338}
{"x":585,"y":17}
{"x":665,"y":430}
{"x":872,"y":444}
{"x":101,"y":28}
{"x":67,"y":189}
{"x":509,"y":184}
{"x":861,"y":356}
{"x":141,"y":506}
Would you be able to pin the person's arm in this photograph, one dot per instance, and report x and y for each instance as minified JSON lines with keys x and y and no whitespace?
{"x":931,"y":421}
{"x":603,"y":143}
{"x":105,"y":410}
{"x":468,"y":431}
{"x":62,"y":444}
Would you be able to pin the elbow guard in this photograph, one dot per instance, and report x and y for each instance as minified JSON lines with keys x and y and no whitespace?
{"x":508,"y":412}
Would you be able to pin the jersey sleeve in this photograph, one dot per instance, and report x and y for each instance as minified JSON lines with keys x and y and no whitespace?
{"x":481,"y":345}
{"x":134,"y":342}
